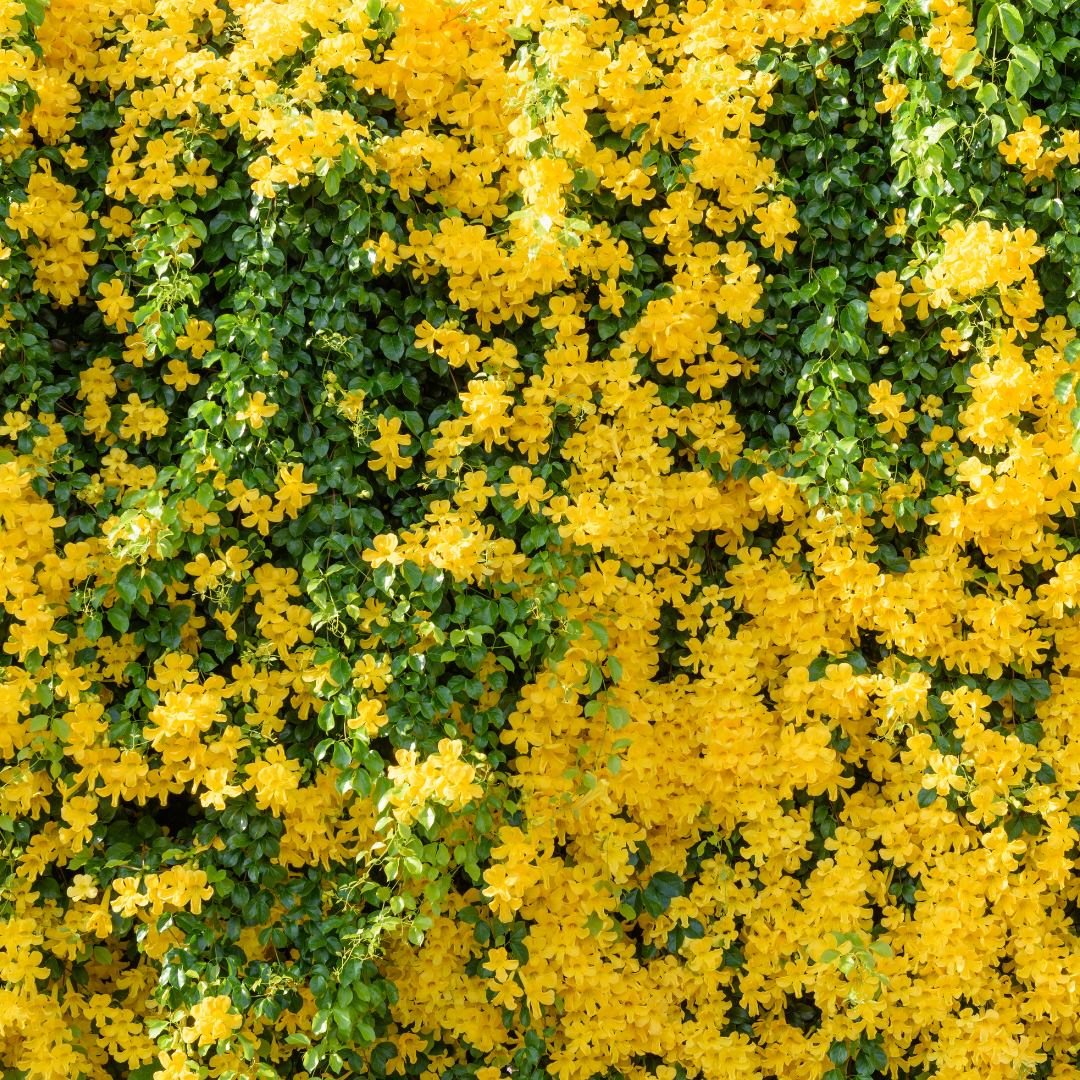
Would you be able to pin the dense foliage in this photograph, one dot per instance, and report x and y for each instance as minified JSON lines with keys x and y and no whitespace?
{"x":539,"y":539}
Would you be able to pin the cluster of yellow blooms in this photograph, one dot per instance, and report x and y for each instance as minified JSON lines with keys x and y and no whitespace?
{"x":769,"y":745}
{"x":951,"y":36}
{"x":973,"y":259}
{"x":53,"y":217}
{"x":1025,"y":147}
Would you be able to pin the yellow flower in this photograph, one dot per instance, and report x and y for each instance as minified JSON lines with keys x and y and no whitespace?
{"x":174,"y":1066}
{"x":774,"y":223}
{"x":527,"y":490}
{"x":198,"y":516}
{"x":273,"y":779}
{"x":212,"y":1019}
{"x":895,"y":95}
{"x":884,"y":306}
{"x":890,"y":406}
{"x":611,"y":298}
{"x":14,"y":422}
{"x":115,"y":304}
{"x":118,"y":222}
{"x":938,"y":436}
{"x":474,"y":490}
{"x":196,"y":338}
{"x":237,"y":562}
{"x":179,"y":376}
{"x":499,"y":964}
{"x":952,"y":343}
{"x":931,"y":405}
{"x":205,"y":572}
{"x":257,"y":410}
{"x":899,"y":225}
{"x":387,"y":446}
{"x":82,"y":887}
{"x":292,"y":493}
{"x":74,"y":157}
{"x":383,"y":550}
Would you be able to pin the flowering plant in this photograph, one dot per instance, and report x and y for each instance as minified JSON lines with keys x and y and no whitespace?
{"x":539,"y":539}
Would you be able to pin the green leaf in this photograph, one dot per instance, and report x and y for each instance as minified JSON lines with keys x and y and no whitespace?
{"x":1063,"y":46}
{"x":1030,"y":732}
{"x":393,"y":348}
{"x":1029,"y":58}
{"x":413,"y":574}
{"x":1017,"y":80}
{"x":853,"y":317}
{"x":519,"y":33}
{"x":661,"y":890}
{"x":816,"y":338}
{"x":615,"y":668}
{"x":965,"y":65}
{"x":35,"y":10}
{"x":1019,"y":690}
{"x":875,"y":1055}
{"x":1012,"y":23}
{"x":1040,"y":689}
{"x":934,"y":133}
{"x":1063,"y":388}
{"x":599,"y":631}
{"x":618,"y":716}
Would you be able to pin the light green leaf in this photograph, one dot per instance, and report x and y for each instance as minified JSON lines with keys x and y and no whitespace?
{"x":1027,"y":56}
{"x":1017,"y":81}
{"x":1012,"y":22}
{"x":933,"y":133}
{"x":965,"y":65}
